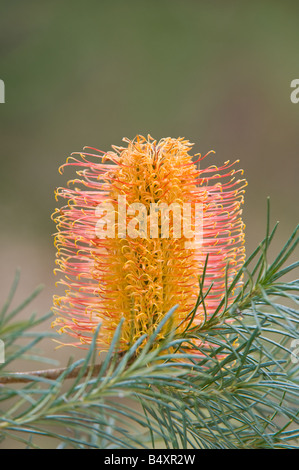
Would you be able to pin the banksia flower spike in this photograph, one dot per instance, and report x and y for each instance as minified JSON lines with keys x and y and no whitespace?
{"x":134,"y":237}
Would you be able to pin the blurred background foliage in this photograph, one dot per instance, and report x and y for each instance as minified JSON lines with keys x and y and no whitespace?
{"x":89,"y":73}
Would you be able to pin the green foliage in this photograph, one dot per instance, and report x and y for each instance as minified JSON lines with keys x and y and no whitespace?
{"x":238,"y":388}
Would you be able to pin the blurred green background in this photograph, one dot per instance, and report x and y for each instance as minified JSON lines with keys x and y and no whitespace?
{"x":92,"y":72}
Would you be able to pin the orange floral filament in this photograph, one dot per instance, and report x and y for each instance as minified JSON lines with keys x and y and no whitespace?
{"x":142,"y":278}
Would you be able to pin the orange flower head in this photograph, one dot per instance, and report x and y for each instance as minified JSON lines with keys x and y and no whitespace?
{"x":134,"y":235}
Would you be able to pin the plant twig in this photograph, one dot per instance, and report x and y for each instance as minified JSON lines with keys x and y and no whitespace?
{"x":51,"y":374}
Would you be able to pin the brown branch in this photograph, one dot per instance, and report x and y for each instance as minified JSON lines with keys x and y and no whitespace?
{"x":51,"y":374}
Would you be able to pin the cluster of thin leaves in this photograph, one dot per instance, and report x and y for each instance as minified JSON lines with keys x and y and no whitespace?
{"x":237,"y":389}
